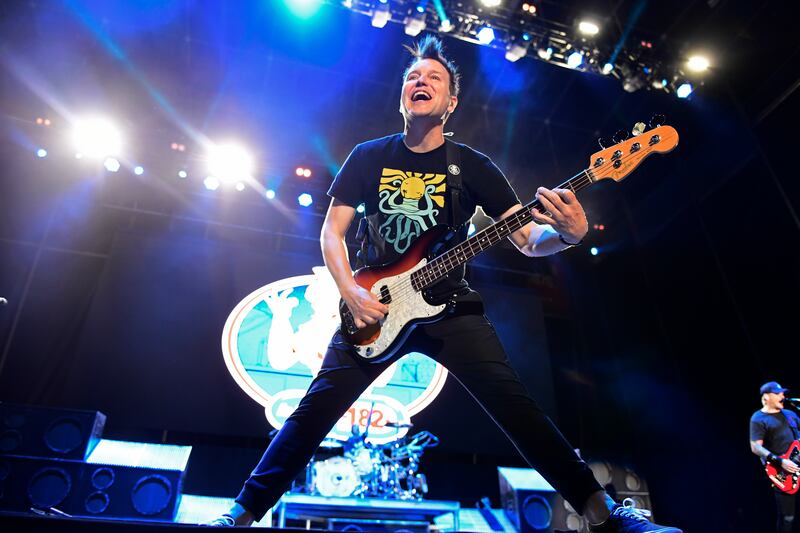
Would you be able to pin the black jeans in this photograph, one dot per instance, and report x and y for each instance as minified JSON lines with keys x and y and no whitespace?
{"x":467,"y":345}
{"x":787,"y":503}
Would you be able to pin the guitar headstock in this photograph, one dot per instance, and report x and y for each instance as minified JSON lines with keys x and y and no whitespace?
{"x":621,"y":159}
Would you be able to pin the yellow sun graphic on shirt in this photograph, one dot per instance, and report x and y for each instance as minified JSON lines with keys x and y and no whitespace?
{"x":414,"y":185}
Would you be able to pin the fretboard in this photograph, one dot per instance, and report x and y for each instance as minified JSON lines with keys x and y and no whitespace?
{"x":453,"y":258}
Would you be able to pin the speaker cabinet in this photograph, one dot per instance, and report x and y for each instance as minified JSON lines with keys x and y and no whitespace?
{"x":85,"y":489}
{"x":41,"y":483}
{"x":528,"y":500}
{"x":532,"y":505}
{"x":34,"y":431}
{"x":621,"y":482}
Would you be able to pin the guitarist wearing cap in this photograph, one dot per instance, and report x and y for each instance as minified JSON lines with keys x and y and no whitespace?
{"x":773,"y":431}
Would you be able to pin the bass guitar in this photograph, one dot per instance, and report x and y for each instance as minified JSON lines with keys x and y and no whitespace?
{"x":403,"y":285}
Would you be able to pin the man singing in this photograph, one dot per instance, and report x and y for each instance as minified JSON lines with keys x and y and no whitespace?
{"x":406,"y":182}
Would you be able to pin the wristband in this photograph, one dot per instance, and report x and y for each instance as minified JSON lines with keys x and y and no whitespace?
{"x":774,"y":460}
{"x":562,"y":239}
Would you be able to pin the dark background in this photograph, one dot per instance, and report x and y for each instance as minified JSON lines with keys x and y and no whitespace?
{"x":652,"y":351}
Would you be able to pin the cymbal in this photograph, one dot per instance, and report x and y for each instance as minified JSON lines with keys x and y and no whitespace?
{"x":331,"y":443}
{"x":399,"y":425}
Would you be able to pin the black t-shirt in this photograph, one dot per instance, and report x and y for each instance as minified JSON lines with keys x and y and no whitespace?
{"x":406,"y":193}
{"x":775,"y":429}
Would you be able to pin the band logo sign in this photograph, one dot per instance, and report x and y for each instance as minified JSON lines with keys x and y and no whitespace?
{"x":273,"y":344}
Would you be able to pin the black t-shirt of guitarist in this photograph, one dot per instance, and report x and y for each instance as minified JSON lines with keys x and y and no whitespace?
{"x":775,"y":429}
{"x":406,"y":193}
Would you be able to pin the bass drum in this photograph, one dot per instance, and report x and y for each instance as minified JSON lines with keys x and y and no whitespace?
{"x":334,"y":477}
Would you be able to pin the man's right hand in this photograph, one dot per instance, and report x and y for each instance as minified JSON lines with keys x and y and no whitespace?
{"x":365,"y":306}
{"x":790,"y":466}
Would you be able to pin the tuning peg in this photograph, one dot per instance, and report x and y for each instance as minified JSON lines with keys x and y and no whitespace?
{"x":602,"y":142}
{"x":656,"y":120}
{"x":620,"y":136}
{"x":638,"y":129}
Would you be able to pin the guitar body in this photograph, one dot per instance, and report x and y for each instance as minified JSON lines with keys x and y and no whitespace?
{"x":391,"y":283}
{"x":783,"y":480}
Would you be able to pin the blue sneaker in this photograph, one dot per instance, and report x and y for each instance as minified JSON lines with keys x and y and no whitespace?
{"x":225,"y":520}
{"x":626,"y":518}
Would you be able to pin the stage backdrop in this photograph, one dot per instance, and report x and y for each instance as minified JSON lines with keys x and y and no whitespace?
{"x":135,"y":331}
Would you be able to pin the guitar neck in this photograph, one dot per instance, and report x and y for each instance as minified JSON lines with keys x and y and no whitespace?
{"x":453,"y":258}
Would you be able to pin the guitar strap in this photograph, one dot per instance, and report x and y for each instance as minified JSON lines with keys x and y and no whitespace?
{"x":454,"y":183}
{"x":792,"y":424}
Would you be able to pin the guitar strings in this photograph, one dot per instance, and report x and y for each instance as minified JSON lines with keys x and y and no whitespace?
{"x":583,"y":178}
{"x":404,"y":288}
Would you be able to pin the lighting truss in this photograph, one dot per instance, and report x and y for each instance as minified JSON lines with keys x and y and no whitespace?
{"x":637,"y":65}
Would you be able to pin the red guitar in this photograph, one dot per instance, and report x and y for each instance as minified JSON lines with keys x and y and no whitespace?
{"x":403,"y":284}
{"x":788,"y":483}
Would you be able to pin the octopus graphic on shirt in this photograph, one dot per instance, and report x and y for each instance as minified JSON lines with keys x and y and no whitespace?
{"x":411,"y":203}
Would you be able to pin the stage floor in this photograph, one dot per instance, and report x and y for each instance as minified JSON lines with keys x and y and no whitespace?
{"x":198,"y":509}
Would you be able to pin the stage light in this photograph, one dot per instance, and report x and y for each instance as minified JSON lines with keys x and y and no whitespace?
{"x":299,"y":171}
{"x":360,"y":208}
{"x":588,"y":27}
{"x":471,"y":229}
{"x":594,"y":251}
{"x":491,"y":3}
{"x":229,"y":162}
{"x":306,"y":172}
{"x":239,"y":186}
{"x":446,"y":26}
{"x":684,"y":90}
{"x":182,"y":174}
{"x":381,"y":15}
{"x":545,"y":52}
{"x":575,"y":59}
{"x":303,"y":8}
{"x":96,"y":137}
{"x":529,"y":8}
{"x":516,"y":51}
{"x":211,"y":183}
{"x":138,"y":170}
{"x":270,"y":194}
{"x":698,"y":63}
{"x":111,"y":164}
{"x":633,"y":81}
{"x":486,"y":35}
{"x":41,"y":152}
{"x":415,"y":23}
{"x":305,"y":199}
{"x":607,"y":68}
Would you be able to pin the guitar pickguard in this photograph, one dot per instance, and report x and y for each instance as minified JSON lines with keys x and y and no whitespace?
{"x":407,"y":308}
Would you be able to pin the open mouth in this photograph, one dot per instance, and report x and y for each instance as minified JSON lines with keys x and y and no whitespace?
{"x":420,"y":96}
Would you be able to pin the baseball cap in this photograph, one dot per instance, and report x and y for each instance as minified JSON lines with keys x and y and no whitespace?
{"x":772,"y":386}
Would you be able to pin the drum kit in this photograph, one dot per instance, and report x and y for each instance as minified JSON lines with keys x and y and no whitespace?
{"x":356,"y":467}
